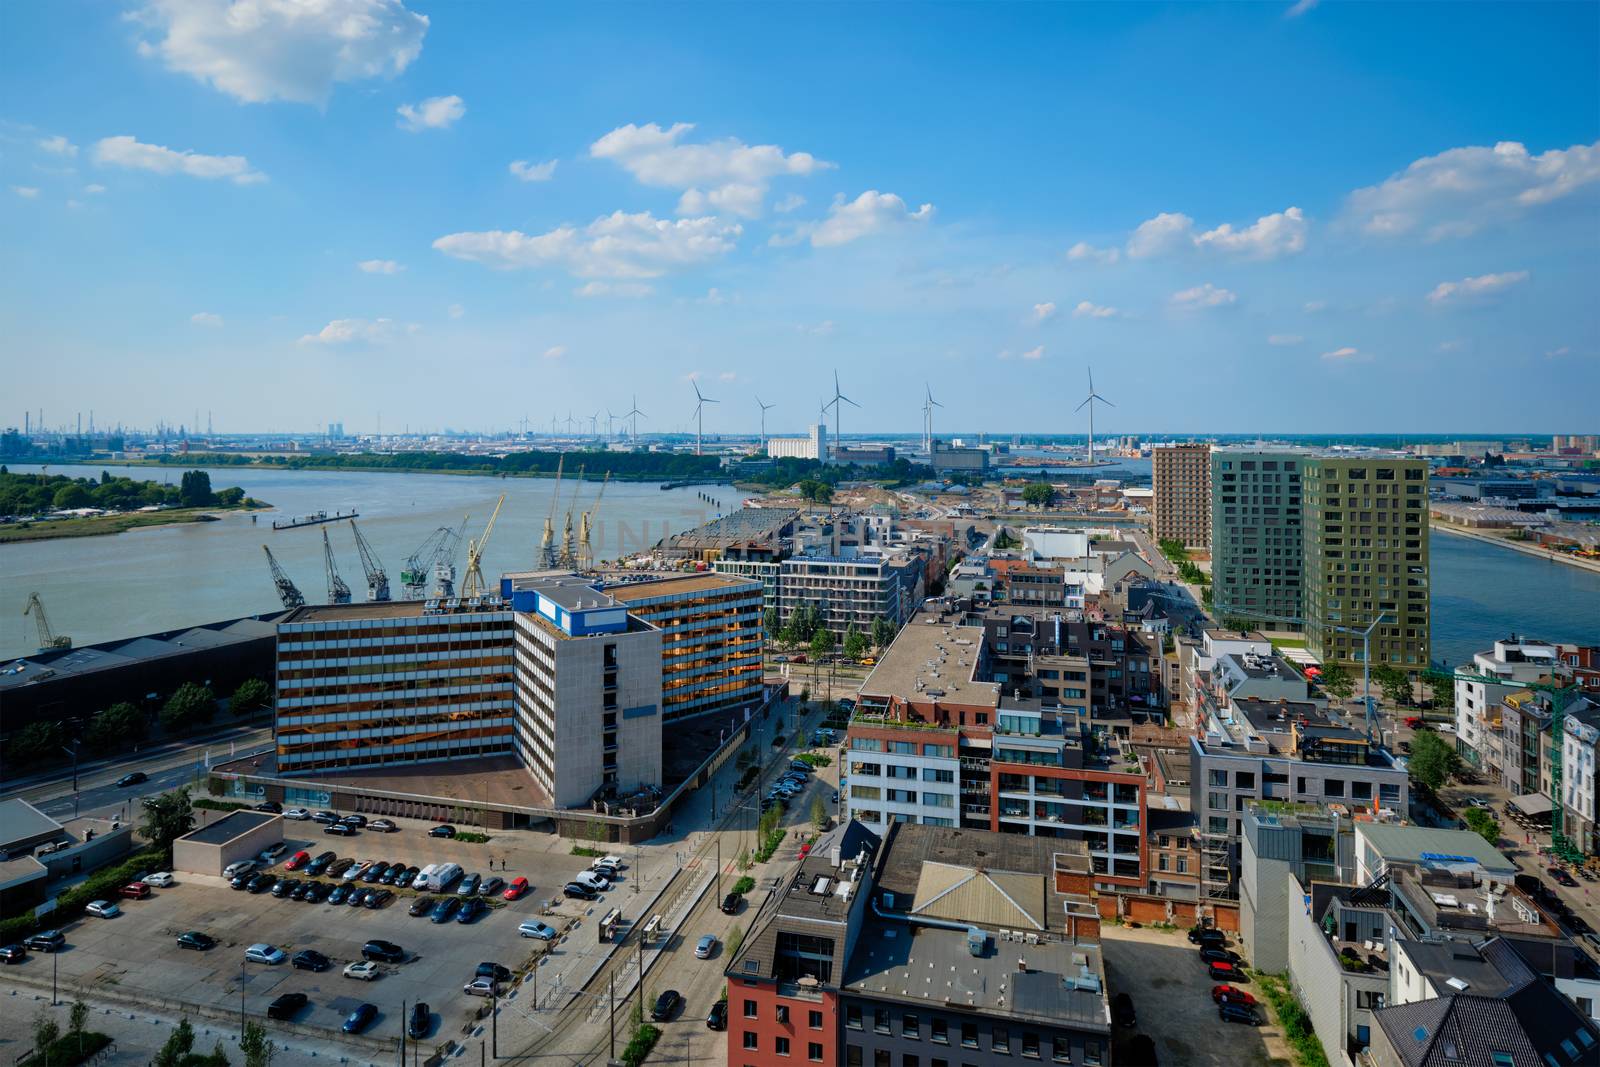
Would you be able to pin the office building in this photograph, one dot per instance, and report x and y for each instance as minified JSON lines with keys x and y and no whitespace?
{"x":945,"y":458}
{"x":854,"y":590}
{"x":1365,"y":538}
{"x":1181,"y":477}
{"x":812,"y":446}
{"x":1256,"y":537}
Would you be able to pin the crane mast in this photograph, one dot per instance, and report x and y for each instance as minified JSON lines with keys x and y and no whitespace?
{"x":474,"y":584}
{"x":586,"y":527}
{"x":49,"y":640}
{"x":288,"y":592}
{"x":568,"y":559}
{"x":377,"y":580}
{"x":547,"y":544}
{"x":338,"y":591}
{"x":444,"y":563}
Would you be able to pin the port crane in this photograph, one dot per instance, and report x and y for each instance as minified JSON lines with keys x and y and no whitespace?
{"x":568,"y":559}
{"x":547,"y":543}
{"x":288,"y":592}
{"x":586,"y":527}
{"x":444,"y":567}
{"x":338,"y":591}
{"x":377,"y":580}
{"x":49,"y":640}
{"x":474,"y":584}
{"x":432,"y":555}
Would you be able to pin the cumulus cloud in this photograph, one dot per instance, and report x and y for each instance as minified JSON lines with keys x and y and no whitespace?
{"x":1034,"y":353}
{"x":623,"y":289}
{"x":1167,"y":232}
{"x":533,"y":172}
{"x":713,"y":297}
{"x":206,"y":318}
{"x":1468,"y":290}
{"x":1044,"y":312}
{"x":792,"y":202}
{"x":455,"y":311}
{"x":58,"y":145}
{"x":295,"y":50}
{"x":124,"y":151}
{"x":1314,"y":306}
{"x":352,"y":331}
{"x":618,"y":245}
{"x":555,"y":351}
{"x":1270,"y":236}
{"x":434,"y":113}
{"x":728,"y":176}
{"x":1285,"y":339}
{"x":868,"y":214}
{"x":1459,"y":191}
{"x":1083,"y":250}
{"x":1203,"y":296}
{"x":1089,"y":310}
{"x":27,"y":192}
{"x":1300,"y":7}
{"x":380,"y":266}
{"x":1342,"y":355}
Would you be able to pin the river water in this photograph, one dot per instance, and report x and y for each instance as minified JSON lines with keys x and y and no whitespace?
{"x":163,"y":578}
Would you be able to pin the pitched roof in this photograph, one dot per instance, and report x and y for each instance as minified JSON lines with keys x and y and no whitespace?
{"x":974,"y":895}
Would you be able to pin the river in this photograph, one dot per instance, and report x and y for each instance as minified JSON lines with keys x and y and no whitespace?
{"x":162,"y":578}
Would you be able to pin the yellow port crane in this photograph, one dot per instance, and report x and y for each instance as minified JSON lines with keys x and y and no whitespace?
{"x":49,"y":640}
{"x":586,"y":527}
{"x":474,"y":585}
{"x":547,"y":544}
{"x":568,"y":558}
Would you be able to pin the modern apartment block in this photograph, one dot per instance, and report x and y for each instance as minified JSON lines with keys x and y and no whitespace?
{"x":588,"y":690}
{"x":1181,"y":478}
{"x":1479,"y":739}
{"x":370,"y":685}
{"x":711,"y":640}
{"x":1365,"y":537}
{"x":1256,"y":538}
{"x":852,"y":590}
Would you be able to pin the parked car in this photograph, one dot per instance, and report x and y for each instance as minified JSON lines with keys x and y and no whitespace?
{"x":105,"y":909}
{"x":263,"y":953}
{"x":1122,"y":1010}
{"x":534,"y":928}
{"x":358,"y":896}
{"x":261,"y":882}
{"x":1205,"y":935}
{"x":609,"y":861}
{"x":377,"y":898}
{"x":382,"y":826}
{"x":1219,"y":993}
{"x":317,"y":892}
{"x":383,"y":952}
{"x":420,"y":905}
{"x":666,"y":1006}
{"x":340,"y":829}
{"x":270,"y":854}
{"x":286,"y":1006}
{"x":321,"y":864}
{"x":599,"y":883}
{"x":717,"y":1017}
{"x":1232,"y":1012}
{"x":337,"y":868}
{"x":298,"y":860}
{"x":730,"y":904}
{"x":374,"y":872}
{"x":705,"y":947}
{"x":358,"y":821}
{"x":357,"y":869}
{"x":301,"y":889}
{"x":365,"y":970}
{"x":407,"y":876}
{"x":1225,"y":972}
{"x":271,"y":807}
{"x":491,"y":886}
{"x":309,"y":959}
{"x":471,"y":909}
{"x":297,"y":814}
{"x":10,"y":954}
{"x":234,"y":870}
{"x":1219,"y":955}
{"x":421,"y":1018}
{"x":161,"y":879}
{"x":135,"y":890}
{"x":133,"y":778}
{"x":1562,"y":877}
{"x":497,"y":971}
{"x":196,"y":940}
{"x":359,"y":1019}
{"x":579,"y":892}
{"x":325,"y":816}
{"x":800,"y":765}
{"x":445,"y":910}
{"x":518,"y":887}
{"x":442,"y":831}
{"x":48,"y":941}
{"x":340,"y":893}
{"x":283,"y":886}
{"x":835,"y":796}
{"x":481,"y":987}
{"x":469,"y":885}
{"x":241,"y":882}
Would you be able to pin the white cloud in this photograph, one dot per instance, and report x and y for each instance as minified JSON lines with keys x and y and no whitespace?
{"x":1300,"y":7}
{"x":713,"y":297}
{"x":1449,"y":346}
{"x":1284,"y":339}
{"x":455,"y":311}
{"x":1203,"y":296}
{"x":1270,"y":236}
{"x":792,"y":202}
{"x":206,"y":318}
{"x":726,"y":175}
{"x":1044,"y":312}
{"x":380,"y":266}
{"x":58,"y":145}
{"x":533,"y":172}
{"x":1459,"y":191}
{"x":295,"y":50}
{"x":1470,"y":289}
{"x":1314,"y":306}
{"x":727,"y":376}
{"x":434,"y":113}
{"x":350,"y":331}
{"x":618,"y":245}
{"x":1088,"y":310}
{"x":93,"y":188}
{"x":622,"y":289}
{"x":1342,"y":355}
{"x":870,"y":213}
{"x":27,"y":192}
{"x":1557,"y":353}
{"x":1085,"y":250}
{"x":1034,"y":353}
{"x":555,"y":351}
{"x":818,"y":329}
{"x":125,"y":151}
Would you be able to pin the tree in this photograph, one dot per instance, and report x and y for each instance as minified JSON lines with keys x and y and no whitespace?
{"x":1395,"y":684}
{"x":118,"y":727}
{"x":178,"y":1046}
{"x":34,"y":743}
{"x":45,"y":1032}
{"x":77,"y":1020}
{"x":882,"y":632}
{"x":71,"y":496}
{"x":258,"y":1049}
{"x":1441,"y":690}
{"x":168,"y":816}
{"x":230,"y":497}
{"x":1433,"y":760}
{"x":821,"y":643}
{"x":805,"y":695}
{"x":1039,"y":494}
{"x":251,"y":694}
{"x":855,"y":643}
{"x":819,"y":812}
{"x":1484,"y":824}
{"x":194,"y":491}
{"x":771,"y":623}
{"x":190,"y":706}
{"x":1337,"y":682}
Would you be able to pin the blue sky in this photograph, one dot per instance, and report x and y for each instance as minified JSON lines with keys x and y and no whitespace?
{"x":1333,"y":217}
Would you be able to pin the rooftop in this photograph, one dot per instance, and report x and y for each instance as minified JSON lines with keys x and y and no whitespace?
{"x":1001,"y":861}
{"x":1418,"y":844}
{"x":394,"y":609}
{"x":634,"y":592}
{"x":122,"y":653}
{"x":21,"y":821}
{"x":932,"y":658}
{"x":229,"y":827}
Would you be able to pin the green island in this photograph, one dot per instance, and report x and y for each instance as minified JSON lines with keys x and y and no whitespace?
{"x":30,"y":504}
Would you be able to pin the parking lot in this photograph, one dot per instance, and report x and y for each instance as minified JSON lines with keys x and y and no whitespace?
{"x":137,"y":951}
{"x":1171,"y":995}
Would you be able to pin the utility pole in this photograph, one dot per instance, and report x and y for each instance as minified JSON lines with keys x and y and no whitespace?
{"x":241,"y":1000}
{"x":611,"y":1005}
{"x":402,"y":1033}
{"x":494,"y":1017}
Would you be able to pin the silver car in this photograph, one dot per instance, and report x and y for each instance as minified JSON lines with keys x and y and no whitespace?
{"x":707,"y":945}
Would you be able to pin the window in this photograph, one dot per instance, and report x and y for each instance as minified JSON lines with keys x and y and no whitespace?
{"x":1369,"y":1000}
{"x":783,"y":1046}
{"x":1091,"y":1053}
{"x":749,"y":1009}
{"x":783,"y":1013}
{"x":1503,"y":1059}
{"x":946,"y":751}
{"x":852,"y":1055}
{"x":910,"y":1027}
{"x":903,"y":748}
{"x":939,"y":1032}
{"x":814,"y":1020}
{"x":814,"y":1052}
{"x":880,"y":1020}
{"x":750,"y":1040}
{"x":1217,"y":778}
{"x":852,"y":1017}
{"x":909,"y":1060}
{"x":1030,"y":1046}
{"x":969,"y":1035}
{"x":880,"y":1058}
{"x":1060,"y":1049}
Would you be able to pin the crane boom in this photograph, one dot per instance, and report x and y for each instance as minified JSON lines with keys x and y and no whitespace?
{"x":377,"y":580}
{"x":48,"y":638}
{"x":474,"y":584}
{"x":586,"y":526}
{"x":547,"y":543}
{"x":288,"y":592}
{"x":338,"y":591}
{"x":568,"y":559}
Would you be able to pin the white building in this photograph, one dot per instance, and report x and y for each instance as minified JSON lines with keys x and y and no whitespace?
{"x":1582,"y":733}
{"x":812,"y":446}
{"x":1478,"y":703}
{"x":1055,"y":542}
{"x":892,"y":781}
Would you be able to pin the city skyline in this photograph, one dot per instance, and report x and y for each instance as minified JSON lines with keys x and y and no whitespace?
{"x":1384,"y":213}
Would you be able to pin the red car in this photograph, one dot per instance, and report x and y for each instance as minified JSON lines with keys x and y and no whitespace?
{"x":805,"y":850}
{"x":1220,"y":993}
{"x":1413,"y":721}
{"x":1223,"y":971}
{"x":516,"y":889}
{"x":298,"y":860}
{"x":135,"y":890}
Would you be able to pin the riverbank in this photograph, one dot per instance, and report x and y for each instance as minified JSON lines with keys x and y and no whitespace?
{"x":103,"y":525}
{"x":1526,"y":548}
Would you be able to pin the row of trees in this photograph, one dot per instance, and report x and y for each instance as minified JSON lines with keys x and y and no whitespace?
{"x":1039,"y":494}
{"x":36,"y":494}
{"x":640,"y":466}
{"x":805,"y":627}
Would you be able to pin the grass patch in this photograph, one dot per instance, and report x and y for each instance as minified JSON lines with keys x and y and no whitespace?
{"x":476,"y":839}
{"x":1294,"y":1020}
{"x":735,"y":941}
{"x":815,"y":759}
{"x":1288,"y":642}
{"x":98,"y":525}
{"x":585,"y":850}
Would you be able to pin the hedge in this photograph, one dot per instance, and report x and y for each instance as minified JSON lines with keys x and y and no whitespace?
{"x":639,"y":1045}
{"x":102,"y":885}
{"x":218,"y":805}
{"x":744,"y":885}
{"x":68,"y":1050}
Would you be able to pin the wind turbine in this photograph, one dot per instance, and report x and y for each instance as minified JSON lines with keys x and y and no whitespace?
{"x":764,"y":408}
{"x":927,"y":418}
{"x":634,"y":414}
{"x":699,"y":406}
{"x":1089,"y":402}
{"x":834,"y":403}
{"x":593,"y":424}
{"x":610,"y":418}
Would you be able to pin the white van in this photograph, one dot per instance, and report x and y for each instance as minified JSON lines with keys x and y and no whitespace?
{"x":421,"y":880}
{"x":442,"y":878}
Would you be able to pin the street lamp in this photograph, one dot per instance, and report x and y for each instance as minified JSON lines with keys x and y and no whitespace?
{"x":77,"y":743}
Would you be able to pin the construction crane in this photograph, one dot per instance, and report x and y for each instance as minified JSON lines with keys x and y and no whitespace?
{"x":547,"y":544}
{"x":568,"y":558}
{"x":288,"y":592}
{"x":49,"y":640}
{"x":425,"y":561}
{"x":444,"y":566}
{"x":586,"y":526}
{"x":338,"y":591}
{"x":474,"y":584}
{"x":377,"y":580}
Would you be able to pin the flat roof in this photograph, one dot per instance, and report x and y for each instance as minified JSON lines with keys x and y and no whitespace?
{"x":20,"y":821}
{"x":630,"y":592}
{"x":1413,"y":844}
{"x":229,"y":827}
{"x":394,"y":609}
{"x":932,"y":659}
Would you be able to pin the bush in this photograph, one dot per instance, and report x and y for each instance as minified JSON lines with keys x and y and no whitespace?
{"x":744,"y":885}
{"x":815,"y":759}
{"x":585,"y":850}
{"x":1295,"y":1022}
{"x":71,"y":1049}
{"x":102,"y":885}
{"x":218,"y":805}
{"x":473,"y":838}
{"x":639,"y":1045}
